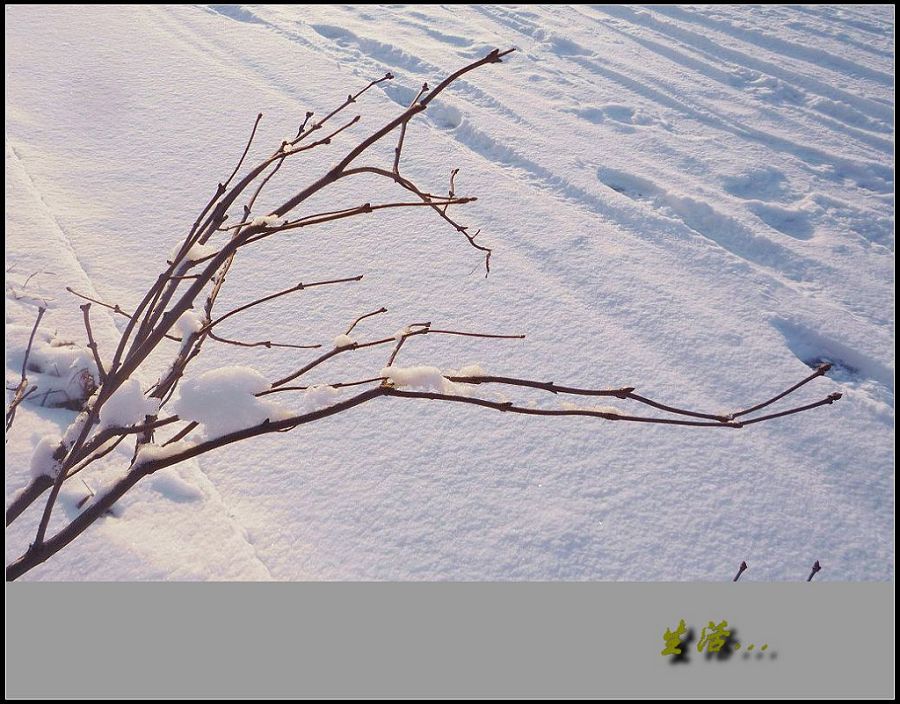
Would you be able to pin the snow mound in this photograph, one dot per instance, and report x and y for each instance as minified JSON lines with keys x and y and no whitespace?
{"x":189,"y":323}
{"x":64,"y":371}
{"x":127,"y":406}
{"x":318,"y":397}
{"x":223,"y":400}
{"x":42,"y":461}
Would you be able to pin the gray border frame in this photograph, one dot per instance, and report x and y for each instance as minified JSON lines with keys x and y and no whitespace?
{"x":436,"y":640}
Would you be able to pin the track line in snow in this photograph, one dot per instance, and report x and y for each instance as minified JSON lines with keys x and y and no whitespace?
{"x":707,"y":44}
{"x":810,"y":55}
{"x":702,"y":218}
{"x":772,"y":96}
{"x":821,"y":162}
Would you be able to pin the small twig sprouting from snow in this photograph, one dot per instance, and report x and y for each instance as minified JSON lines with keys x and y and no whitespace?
{"x":815,"y":568}
{"x":92,"y":343}
{"x":22,"y":391}
{"x":363,"y":317}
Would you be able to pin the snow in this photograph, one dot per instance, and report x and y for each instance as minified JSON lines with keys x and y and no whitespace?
{"x":266,"y":221}
{"x":222,"y":400}
{"x":196,"y":252}
{"x":317,"y":397}
{"x":470,"y":370}
{"x":422,"y":378}
{"x":151,"y":452}
{"x":172,"y":486}
{"x":189,"y":323}
{"x":427,"y":378}
{"x":343,"y":341}
{"x":696,"y":201}
{"x":127,"y":406}
{"x":42,"y":460}
{"x":74,"y":430}
{"x":63,"y":369}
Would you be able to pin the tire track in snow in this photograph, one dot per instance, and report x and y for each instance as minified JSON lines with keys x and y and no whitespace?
{"x":821,"y":163}
{"x":696,"y":215}
{"x":868,"y":175}
{"x":828,"y":14}
{"x":868,"y":106}
{"x":60,"y":231}
{"x":738,"y":81}
{"x":776,"y":45}
{"x":678,"y":215}
{"x":339,"y":42}
{"x":859,"y":43}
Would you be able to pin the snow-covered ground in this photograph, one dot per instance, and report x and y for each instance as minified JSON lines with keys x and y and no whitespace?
{"x":697,"y":202}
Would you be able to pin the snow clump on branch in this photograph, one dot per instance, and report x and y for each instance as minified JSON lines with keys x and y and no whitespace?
{"x":344,"y":341}
{"x":266,"y":221}
{"x":127,"y":406}
{"x":43,"y":463}
{"x":224,"y":401}
{"x":422,"y":378}
{"x":195,"y":253}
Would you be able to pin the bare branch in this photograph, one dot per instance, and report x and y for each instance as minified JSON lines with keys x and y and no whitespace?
{"x":815,"y":568}
{"x":421,"y":329}
{"x":27,"y":496}
{"x":363,"y":317}
{"x":831,"y":398}
{"x":319,"y":218}
{"x":350,"y":99}
{"x":431,"y":201}
{"x":822,"y":369}
{"x":21,"y":391}
{"x":113,"y":307}
{"x":399,"y":147}
{"x":268,"y":344}
{"x":272,"y":296}
{"x":92,"y":343}
{"x":246,"y":149}
{"x":508,"y":406}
